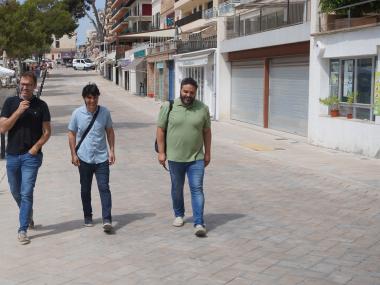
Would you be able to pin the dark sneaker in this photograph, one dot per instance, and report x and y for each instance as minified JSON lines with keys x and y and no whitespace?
{"x":88,"y":222}
{"x":200,"y":231}
{"x":23,"y":238}
{"x":107,"y":227}
{"x":31,"y":225}
{"x":31,"y":221}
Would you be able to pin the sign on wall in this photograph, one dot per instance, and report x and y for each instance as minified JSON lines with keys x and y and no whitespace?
{"x":377,"y":94}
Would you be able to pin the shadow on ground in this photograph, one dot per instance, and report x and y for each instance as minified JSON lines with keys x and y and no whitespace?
{"x":119,"y":221}
{"x":215,"y":220}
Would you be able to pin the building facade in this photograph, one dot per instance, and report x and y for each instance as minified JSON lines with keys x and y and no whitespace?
{"x":63,"y":49}
{"x":344,"y":60}
{"x":264,"y":65}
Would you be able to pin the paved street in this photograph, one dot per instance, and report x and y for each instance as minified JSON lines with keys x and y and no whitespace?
{"x":278,"y":211}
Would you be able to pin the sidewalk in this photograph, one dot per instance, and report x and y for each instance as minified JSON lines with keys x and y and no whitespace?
{"x":278,"y":211}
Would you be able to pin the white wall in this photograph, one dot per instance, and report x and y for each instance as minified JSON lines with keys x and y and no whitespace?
{"x":358,"y":136}
{"x":223,"y":76}
{"x":287,"y":35}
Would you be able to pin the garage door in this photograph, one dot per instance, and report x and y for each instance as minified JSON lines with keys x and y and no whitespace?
{"x":247,"y":92}
{"x":289,"y":94}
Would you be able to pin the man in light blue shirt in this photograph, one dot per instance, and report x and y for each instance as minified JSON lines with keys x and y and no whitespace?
{"x":92,"y":156}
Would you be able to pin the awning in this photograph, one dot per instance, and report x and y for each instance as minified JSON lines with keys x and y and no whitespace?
{"x":6,"y":72}
{"x":134,"y":63}
{"x":198,"y":58}
{"x":168,"y":33}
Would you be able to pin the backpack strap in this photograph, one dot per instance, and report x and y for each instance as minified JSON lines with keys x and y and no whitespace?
{"x":87,"y":130}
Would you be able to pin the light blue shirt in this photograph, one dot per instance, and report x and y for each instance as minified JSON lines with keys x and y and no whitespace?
{"x":94,"y":147}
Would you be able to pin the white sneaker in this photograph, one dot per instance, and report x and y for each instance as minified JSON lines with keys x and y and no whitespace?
{"x":200,"y":231}
{"x":178,"y":222}
{"x":23,"y":238}
{"x":107,"y":227}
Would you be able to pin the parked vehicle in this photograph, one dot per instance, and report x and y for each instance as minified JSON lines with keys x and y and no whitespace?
{"x":80,"y":63}
{"x":69,"y":63}
{"x":89,"y":61}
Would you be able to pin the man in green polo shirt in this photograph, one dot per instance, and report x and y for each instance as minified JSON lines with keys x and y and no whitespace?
{"x":188,"y":150}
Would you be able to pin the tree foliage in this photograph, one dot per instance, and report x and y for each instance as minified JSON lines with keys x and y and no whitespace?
{"x":28,"y":28}
{"x":331,"y":5}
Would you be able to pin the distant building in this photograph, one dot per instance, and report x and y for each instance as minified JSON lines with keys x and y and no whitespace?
{"x":63,"y":49}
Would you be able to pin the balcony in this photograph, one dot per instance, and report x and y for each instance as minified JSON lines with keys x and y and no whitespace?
{"x":266,"y":19}
{"x":119,"y":11}
{"x":195,"y":45}
{"x":167,"y":46}
{"x":189,"y":19}
{"x":120,"y":23}
{"x":363,"y":14}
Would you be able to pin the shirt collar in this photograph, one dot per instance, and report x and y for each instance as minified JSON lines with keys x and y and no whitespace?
{"x":178,"y":102}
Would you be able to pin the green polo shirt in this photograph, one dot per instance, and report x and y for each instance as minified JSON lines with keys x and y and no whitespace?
{"x":185,"y":130}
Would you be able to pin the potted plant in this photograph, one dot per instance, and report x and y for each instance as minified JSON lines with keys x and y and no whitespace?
{"x":333,"y":103}
{"x":351,"y":98}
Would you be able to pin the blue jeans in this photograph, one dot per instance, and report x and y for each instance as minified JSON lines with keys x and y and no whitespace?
{"x":22,"y":173}
{"x":195,"y":172}
{"x":102,"y":174}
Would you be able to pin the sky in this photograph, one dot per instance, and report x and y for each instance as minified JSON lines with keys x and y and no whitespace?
{"x":85,"y":24}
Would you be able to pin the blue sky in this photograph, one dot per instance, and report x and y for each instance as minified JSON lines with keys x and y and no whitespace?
{"x":85,"y":24}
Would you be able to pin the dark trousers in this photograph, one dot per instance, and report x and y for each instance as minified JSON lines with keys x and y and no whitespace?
{"x":102,"y":174}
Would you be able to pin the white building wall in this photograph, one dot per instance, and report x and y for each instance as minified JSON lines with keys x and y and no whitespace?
{"x":223,"y":76}
{"x":351,"y":135}
{"x":286,"y":35}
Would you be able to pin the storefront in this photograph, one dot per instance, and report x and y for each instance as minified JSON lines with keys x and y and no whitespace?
{"x":270,"y":87}
{"x":160,"y":70}
{"x":200,"y":66}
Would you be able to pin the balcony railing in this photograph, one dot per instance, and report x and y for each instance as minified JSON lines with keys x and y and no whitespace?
{"x":160,"y":47}
{"x":189,"y":19}
{"x":195,"y":45}
{"x":120,"y":21}
{"x":115,"y":11}
{"x":268,"y":19}
{"x":356,"y":15}
{"x":133,"y":30}
{"x":222,"y":10}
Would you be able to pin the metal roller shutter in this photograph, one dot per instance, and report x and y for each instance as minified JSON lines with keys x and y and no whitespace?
{"x":247,"y":92}
{"x":289,"y":95}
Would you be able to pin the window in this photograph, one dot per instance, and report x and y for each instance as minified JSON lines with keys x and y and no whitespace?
{"x":56,"y":44}
{"x":348,"y":76}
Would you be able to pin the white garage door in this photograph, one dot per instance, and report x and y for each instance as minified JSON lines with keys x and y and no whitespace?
{"x":247,"y":92}
{"x":289,"y":95}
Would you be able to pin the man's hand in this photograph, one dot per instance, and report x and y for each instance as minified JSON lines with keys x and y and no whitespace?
{"x":75,"y":160}
{"x":24,"y":104}
{"x":111,"y":159}
{"x":207,"y":159}
{"x":33,"y":150}
{"x":162,"y":159}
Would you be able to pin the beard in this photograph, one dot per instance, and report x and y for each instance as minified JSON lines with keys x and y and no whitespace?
{"x":187,"y":100}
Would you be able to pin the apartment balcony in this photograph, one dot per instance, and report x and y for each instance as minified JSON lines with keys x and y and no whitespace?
{"x":163,"y":47}
{"x":120,"y":24}
{"x":189,"y":19}
{"x":142,"y":18}
{"x":359,"y":15}
{"x":116,"y":3}
{"x":134,"y":30}
{"x":180,"y":3}
{"x":119,"y":12}
{"x":195,"y":45}
{"x":266,"y":19}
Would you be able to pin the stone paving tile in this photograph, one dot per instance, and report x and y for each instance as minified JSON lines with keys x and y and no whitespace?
{"x":303,"y":215}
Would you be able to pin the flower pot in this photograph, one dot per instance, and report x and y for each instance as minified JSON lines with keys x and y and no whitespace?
{"x":349,"y":116}
{"x":334,"y":113}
